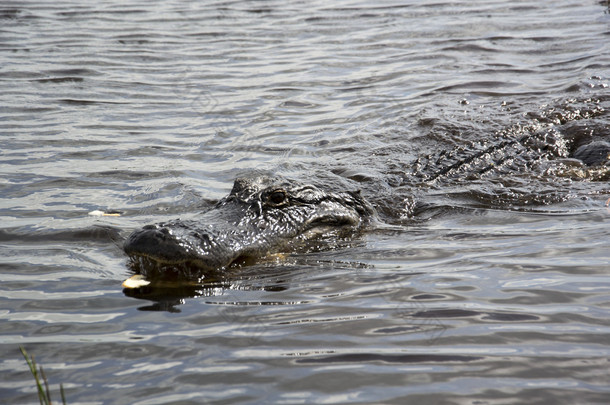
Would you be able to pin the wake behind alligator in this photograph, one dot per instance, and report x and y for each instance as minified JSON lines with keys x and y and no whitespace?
{"x":553,"y":158}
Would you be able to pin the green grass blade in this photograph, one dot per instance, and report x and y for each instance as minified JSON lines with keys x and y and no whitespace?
{"x":62,"y":393}
{"x":42,"y":396}
{"x":46,"y":385}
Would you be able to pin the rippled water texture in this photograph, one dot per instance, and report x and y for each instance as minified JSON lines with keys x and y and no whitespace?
{"x":484,"y":279}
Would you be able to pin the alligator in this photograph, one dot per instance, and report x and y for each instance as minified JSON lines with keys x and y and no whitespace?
{"x":263,"y":215}
{"x":267,"y":214}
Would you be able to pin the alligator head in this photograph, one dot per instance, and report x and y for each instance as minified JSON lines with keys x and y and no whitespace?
{"x":261,"y":215}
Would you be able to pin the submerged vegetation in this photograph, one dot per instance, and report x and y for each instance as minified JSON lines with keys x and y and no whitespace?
{"x":44,"y":394}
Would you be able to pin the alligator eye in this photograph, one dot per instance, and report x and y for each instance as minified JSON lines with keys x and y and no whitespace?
{"x":277,"y":197}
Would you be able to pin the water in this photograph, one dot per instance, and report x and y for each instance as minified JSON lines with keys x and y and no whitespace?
{"x":486,"y":289}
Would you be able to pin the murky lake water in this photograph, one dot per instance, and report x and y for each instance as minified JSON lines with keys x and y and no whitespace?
{"x":497,"y":291}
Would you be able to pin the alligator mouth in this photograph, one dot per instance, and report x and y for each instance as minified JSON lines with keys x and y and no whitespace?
{"x":145,"y":264}
{"x":152,"y":271}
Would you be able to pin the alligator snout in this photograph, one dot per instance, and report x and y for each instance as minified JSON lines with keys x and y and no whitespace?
{"x":155,"y":242}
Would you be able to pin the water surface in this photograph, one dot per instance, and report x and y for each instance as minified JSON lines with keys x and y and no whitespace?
{"x":489,"y":288}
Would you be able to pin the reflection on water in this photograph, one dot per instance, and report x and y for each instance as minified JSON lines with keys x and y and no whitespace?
{"x":483,"y":279}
